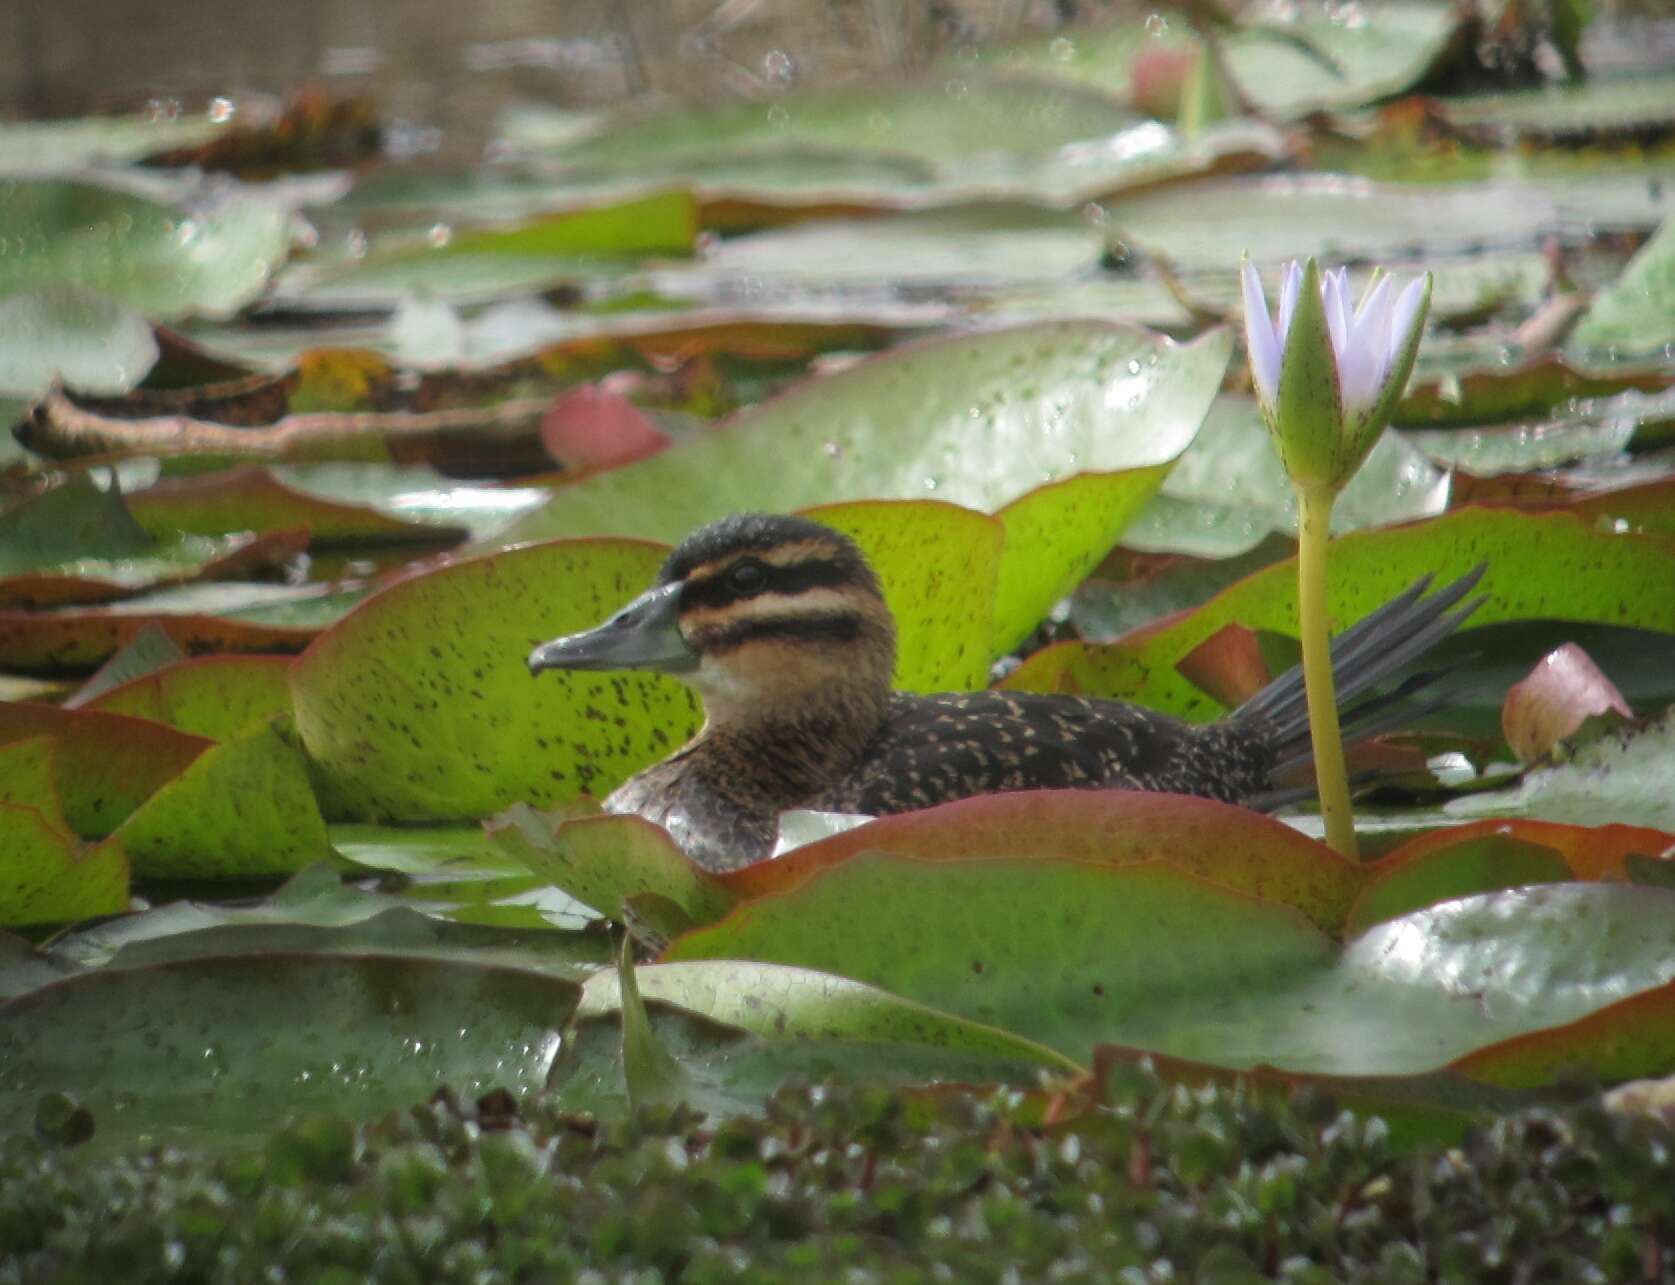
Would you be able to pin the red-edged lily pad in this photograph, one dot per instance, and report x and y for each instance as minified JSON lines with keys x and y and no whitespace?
{"x":107,"y":764}
{"x":1231,"y":846}
{"x":213,"y":696}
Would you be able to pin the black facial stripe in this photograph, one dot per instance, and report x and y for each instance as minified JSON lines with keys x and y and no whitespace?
{"x":716,"y":592}
{"x":823,"y":628}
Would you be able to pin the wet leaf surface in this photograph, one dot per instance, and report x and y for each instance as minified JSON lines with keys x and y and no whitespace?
{"x":1130,"y":959}
{"x":163,"y":260}
{"x":225,"y":1047}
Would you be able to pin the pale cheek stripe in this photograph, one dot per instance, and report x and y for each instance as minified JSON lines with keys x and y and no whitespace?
{"x":770,"y":606}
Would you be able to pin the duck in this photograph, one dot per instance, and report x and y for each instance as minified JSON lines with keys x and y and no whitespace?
{"x":780,"y":625}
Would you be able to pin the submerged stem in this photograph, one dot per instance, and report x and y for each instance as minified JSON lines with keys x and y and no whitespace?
{"x":1314,"y":507}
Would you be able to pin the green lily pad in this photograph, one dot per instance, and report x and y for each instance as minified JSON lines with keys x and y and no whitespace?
{"x":946,"y":127}
{"x":1485,"y":864}
{"x":87,"y":340}
{"x":164,"y":261}
{"x":938,"y":564}
{"x":1286,"y":217}
{"x":1540,"y":566}
{"x":782,"y":1002}
{"x":603,"y":860}
{"x":1151,"y":957}
{"x":489,"y":262}
{"x":1636,"y":314}
{"x":242,"y":808}
{"x":1229,"y":490}
{"x":418,"y":706}
{"x":779,"y":1022}
{"x":980,"y":245}
{"x":1358,"y":60}
{"x":1109,"y":603}
{"x":394,"y":930}
{"x":218,"y":697}
{"x":253,"y":499}
{"x":150,"y":651}
{"x":1631,"y":1039}
{"x":36,"y":147}
{"x":1122,"y":942}
{"x":1095,"y":408}
{"x":1233,"y":847}
{"x":1597,"y":106}
{"x":220,"y":1048}
{"x":202,"y":617}
{"x":46,"y":875}
{"x":1620,"y":777}
{"x":106,"y":764}
{"x":451,"y":853}
{"x":68,"y":523}
{"x":316,"y":896}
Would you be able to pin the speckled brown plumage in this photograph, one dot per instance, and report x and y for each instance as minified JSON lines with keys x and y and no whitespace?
{"x":780,"y":625}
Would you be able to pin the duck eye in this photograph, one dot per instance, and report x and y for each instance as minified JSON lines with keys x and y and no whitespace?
{"x":747,"y":577}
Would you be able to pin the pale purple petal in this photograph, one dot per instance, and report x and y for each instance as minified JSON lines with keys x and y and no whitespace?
{"x":1260,"y":339}
{"x":1337,"y":314}
{"x":1289,"y":288}
{"x":1406,"y":312}
{"x":1364,"y":367}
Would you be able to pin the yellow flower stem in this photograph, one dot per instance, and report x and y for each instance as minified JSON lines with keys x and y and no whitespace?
{"x":1314,"y":508}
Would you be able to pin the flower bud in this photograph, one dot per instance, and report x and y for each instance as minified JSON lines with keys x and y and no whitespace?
{"x":1327,"y":376}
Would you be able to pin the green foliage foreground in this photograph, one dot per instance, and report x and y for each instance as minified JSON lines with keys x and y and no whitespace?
{"x":1155,"y":1182}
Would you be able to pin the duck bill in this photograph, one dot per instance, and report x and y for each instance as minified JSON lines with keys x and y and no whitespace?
{"x":643,"y":635}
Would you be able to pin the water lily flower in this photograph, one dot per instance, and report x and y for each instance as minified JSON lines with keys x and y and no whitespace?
{"x":1327,"y":375}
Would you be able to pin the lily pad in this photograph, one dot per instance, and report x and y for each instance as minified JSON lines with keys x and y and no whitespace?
{"x":1633,"y":315}
{"x":165,"y":261}
{"x":218,"y":697}
{"x":1486,"y":863}
{"x":1285,"y":217}
{"x":242,"y":808}
{"x":40,"y":146}
{"x":253,"y":499}
{"x":259,"y":618}
{"x":194,"y":1047}
{"x":1149,"y":956}
{"x":938,"y":564}
{"x":418,"y":706}
{"x":1229,"y":491}
{"x":1233,"y":847}
{"x":87,"y":340}
{"x":1355,"y":60}
{"x":1539,"y":567}
{"x":947,"y":127}
{"x":46,"y":877}
{"x":1620,"y":776}
{"x":393,"y":930}
{"x":979,"y":245}
{"x":733,"y":1031}
{"x":106,"y":764}
{"x":488,"y":262}
{"x":46,"y":874}
{"x":1096,"y":409}
{"x":1631,"y":1039}
{"x":603,"y":860}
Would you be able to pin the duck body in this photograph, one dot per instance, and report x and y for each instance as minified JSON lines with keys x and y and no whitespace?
{"x":780,"y":625}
